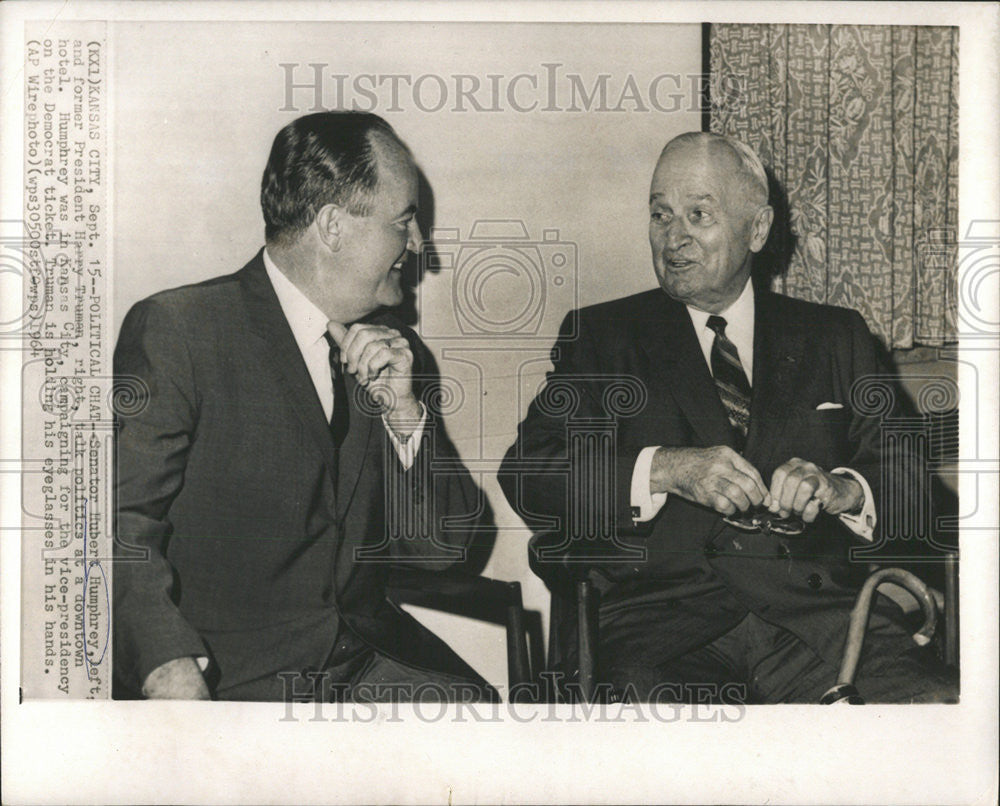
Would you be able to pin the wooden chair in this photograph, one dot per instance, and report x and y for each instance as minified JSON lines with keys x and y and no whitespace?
{"x":475,"y":597}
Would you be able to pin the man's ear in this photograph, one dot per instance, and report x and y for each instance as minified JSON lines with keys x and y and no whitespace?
{"x":329,"y":223}
{"x":760,"y":227}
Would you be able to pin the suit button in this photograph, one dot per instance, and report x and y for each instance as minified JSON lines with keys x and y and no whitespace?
{"x":815,"y":581}
{"x":710,"y":552}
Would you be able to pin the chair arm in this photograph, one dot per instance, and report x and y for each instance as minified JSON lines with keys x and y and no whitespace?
{"x":477,"y":597}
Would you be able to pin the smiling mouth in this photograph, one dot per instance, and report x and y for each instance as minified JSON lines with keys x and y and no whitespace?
{"x":679,"y":263}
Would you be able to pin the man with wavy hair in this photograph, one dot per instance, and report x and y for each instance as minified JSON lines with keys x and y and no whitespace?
{"x":283,"y":456}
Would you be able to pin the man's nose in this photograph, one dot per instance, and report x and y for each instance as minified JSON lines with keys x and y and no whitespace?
{"x":415,"y":241}
{"x":677,"y":234}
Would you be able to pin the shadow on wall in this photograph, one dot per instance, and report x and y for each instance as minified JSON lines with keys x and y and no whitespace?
{"x":776,"y":256}
{"x":414,"y":272}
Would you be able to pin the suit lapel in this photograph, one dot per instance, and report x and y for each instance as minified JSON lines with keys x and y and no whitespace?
{"x":777,"y":356}
{"x":678,"y":369}
{"x":354,"y":451}
{"x":278,"y":351}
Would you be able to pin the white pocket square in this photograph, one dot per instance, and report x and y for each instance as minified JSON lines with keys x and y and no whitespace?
{"x":826,"y":406}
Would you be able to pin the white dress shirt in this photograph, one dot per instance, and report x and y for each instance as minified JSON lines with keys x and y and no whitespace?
{"x":308,"y":324}
{"x":739,"y":330}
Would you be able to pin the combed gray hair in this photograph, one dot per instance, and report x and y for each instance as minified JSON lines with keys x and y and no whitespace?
{"x":752,"y":163}
{"x":755,"y":175}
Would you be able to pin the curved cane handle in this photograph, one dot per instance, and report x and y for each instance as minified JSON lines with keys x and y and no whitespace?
{"x":859,"y":621}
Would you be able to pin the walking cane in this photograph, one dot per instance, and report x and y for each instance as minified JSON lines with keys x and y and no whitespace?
{"x":844,"y":690}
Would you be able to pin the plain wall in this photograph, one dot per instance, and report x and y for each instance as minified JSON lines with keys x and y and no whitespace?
{"x":196,"y":108}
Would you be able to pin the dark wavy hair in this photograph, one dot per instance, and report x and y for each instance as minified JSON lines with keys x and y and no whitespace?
{"x":320,"y":159}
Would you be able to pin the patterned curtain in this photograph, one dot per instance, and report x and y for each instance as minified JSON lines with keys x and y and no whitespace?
{"x":860,"y":125}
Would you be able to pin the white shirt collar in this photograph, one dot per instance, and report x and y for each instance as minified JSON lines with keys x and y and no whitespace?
{"x":308,"y":322}
{"x":738,"y":316}
{"x":739,"y":329}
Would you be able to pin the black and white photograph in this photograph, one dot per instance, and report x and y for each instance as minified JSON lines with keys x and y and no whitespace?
{"x":466,"y":403}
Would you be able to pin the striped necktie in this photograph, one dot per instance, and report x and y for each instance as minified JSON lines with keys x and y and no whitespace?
{"x":730,"y":380}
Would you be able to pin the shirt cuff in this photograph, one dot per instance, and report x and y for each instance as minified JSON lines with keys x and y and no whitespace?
{"x":406,"y":449}
{"x":644,"y":504}
{"x":862,"y":524}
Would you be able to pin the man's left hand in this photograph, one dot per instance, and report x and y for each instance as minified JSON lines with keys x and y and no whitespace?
{"x":805,"y":489}
{"x":382,"y":361}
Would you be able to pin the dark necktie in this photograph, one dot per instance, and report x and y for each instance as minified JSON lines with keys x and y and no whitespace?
{"x":340,"y":421}
{"x":730,"y":379}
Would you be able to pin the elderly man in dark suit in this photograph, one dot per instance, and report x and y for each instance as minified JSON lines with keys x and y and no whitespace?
{"x":283,"y":457}
{"x":744,"y":416}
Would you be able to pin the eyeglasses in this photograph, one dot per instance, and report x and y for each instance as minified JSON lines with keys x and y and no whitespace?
{"x":761,"y":519}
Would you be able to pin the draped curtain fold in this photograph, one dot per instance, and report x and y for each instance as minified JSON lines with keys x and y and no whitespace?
{"x":860,"y":125}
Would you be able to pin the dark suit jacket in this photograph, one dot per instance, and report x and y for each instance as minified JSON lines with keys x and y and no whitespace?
{"x":804,"y":355}
{"x":231,"y":539}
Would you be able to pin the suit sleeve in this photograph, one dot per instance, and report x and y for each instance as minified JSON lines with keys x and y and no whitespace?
{"x":437,"y":516}
{"x":568,"y":451}
{"x":892,"y":470}
{"x":152,"y":366}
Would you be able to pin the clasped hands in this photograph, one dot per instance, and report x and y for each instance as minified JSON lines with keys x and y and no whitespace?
{"x":381,"y":360}
{"x":721,"y":479}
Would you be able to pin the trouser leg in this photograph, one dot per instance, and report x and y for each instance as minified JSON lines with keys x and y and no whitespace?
{"x":892,"y":668}
{"x":712,"y":673}
{"x":383,"y":679}
{"x":758,"y":662}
